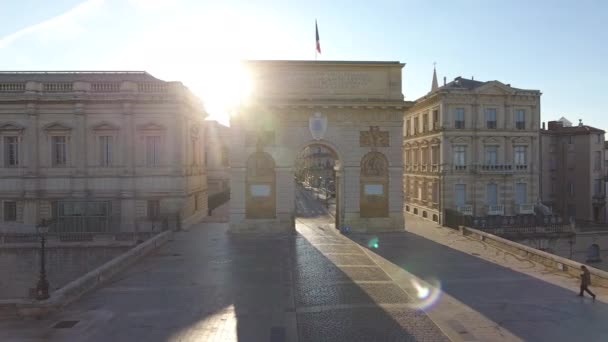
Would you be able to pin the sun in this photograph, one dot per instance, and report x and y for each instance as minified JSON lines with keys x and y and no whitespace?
{"x":222,"y":88}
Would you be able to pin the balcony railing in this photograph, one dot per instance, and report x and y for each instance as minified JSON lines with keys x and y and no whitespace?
{"x":521,"y":167}
{"x":525,"y":209}
{"x":456,"y":167}
{"x":435,"y":168}
{"x":599,"y":199}
{"x":12,"y":87}
{"x":496,"y":210}
{"x":465,"y":210}
{"x":495,"y":167}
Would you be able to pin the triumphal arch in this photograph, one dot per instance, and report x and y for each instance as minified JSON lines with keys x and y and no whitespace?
{"x":355,"y":109}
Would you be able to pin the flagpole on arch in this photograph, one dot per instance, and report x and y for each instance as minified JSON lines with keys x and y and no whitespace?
{"x":318,"y":43}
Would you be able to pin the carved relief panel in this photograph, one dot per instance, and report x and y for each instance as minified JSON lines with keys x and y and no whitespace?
{"x":374,"y":185}
{"x":260,"y":193}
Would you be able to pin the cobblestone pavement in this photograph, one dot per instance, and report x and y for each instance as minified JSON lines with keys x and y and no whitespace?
{"x":208,"y":285}
{"x":487,"y":294}
{"x":316,"y":285}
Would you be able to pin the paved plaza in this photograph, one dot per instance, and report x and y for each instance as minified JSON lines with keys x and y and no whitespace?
{"x":318,"y":285}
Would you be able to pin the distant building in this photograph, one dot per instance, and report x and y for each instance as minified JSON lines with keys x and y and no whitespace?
{"x":315,"y":166}
{"x":573,"y":171}
{"x":473,"y":147}
{"x":99,"y":151}
{"x":217,"y":159}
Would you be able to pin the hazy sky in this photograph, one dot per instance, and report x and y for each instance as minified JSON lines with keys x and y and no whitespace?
{"x":558,"y":47}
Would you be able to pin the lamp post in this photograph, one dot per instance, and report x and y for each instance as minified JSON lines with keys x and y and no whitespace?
{"x":42,"y":289}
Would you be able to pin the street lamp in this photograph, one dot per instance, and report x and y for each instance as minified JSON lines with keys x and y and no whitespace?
{"x":42,"y":289}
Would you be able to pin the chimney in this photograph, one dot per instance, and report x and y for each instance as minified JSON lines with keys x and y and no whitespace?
{"x":543,"y":125}
{"x":554,"y":125}
{"x":580,"y":122}
{"x":444,"y":78}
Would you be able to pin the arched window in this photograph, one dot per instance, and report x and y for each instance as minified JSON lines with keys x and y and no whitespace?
{"x":261,"y":187}
{"x":593,"y":253}
{"x":374,"y":185}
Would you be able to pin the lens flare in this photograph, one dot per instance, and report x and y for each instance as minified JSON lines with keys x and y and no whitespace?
{"x":373,"y":243}
{"x":427,"y":293}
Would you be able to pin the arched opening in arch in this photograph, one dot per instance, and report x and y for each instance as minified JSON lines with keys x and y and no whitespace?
{"x":317,"y":176}
{"x":374,"y":185}
{"x":260,"y":198}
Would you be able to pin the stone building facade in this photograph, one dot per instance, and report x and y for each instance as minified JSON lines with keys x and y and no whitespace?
{"x":472,"y":146}
{"x":99,"y":151}
{"x":573,"y":171}
{"x":217,"y":156}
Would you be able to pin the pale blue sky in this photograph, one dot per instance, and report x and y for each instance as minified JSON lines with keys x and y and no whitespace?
{"x":558,"y":47}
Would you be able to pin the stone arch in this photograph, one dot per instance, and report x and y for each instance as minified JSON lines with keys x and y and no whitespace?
{"x":373,"y":187}
{"x":327,"y":144}
{"x":260,"y":197}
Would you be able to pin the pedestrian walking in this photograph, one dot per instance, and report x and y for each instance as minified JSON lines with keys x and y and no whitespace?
{"x":585,"y":282}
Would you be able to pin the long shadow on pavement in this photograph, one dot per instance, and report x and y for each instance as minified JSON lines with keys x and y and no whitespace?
{"x":210,"y":285}
{"x":528,"y":307}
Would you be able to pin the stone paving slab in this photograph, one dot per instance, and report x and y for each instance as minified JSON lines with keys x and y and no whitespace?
{"x":367,"y":324}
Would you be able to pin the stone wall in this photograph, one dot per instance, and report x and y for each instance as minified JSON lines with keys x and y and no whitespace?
{"x":20,"y":265}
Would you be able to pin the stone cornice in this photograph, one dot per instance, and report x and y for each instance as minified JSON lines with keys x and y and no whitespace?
{"x":287,"y":104}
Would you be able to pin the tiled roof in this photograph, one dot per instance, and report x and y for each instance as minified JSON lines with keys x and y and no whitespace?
{"x":467,"y":84}
{"x":71,"y":76}
{"x":583,"y":129}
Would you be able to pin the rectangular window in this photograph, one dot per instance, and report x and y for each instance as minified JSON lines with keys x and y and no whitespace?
{"x":491,"y":155}
{"x":491,"y":118}
{"x":416,"y":155}
{"x":59,"y":151}
{"x":11,"y":151}
{"x":435,"y":120}
{"x":105,"y":150}
{"x":520,"y":155}
{"x":153,"y":209}
{"x":407,"y":157}
{"x":153,"y":150}
{"x":570,"y":139}
{"x":416,"y":126}
{"x":10,"y":211}
{"x":460,"y":194}
{"x":435,"y":192}
{"x":460,"y":155}
{"x":552,"y":164}
{"x":597,"y":187}
{"x":425,"y":123}
{"x":571,"y":188}
{"x":599,"y":139}
{"x":597,"y":160}
{"x":407,"y":127}
{"x":459,"y":118}
{"x":521,"y":193}
{"x":520,"y":119}
{"x":425,"y":154}
{"x":492,"y":194}
{"x":435,"y":155}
